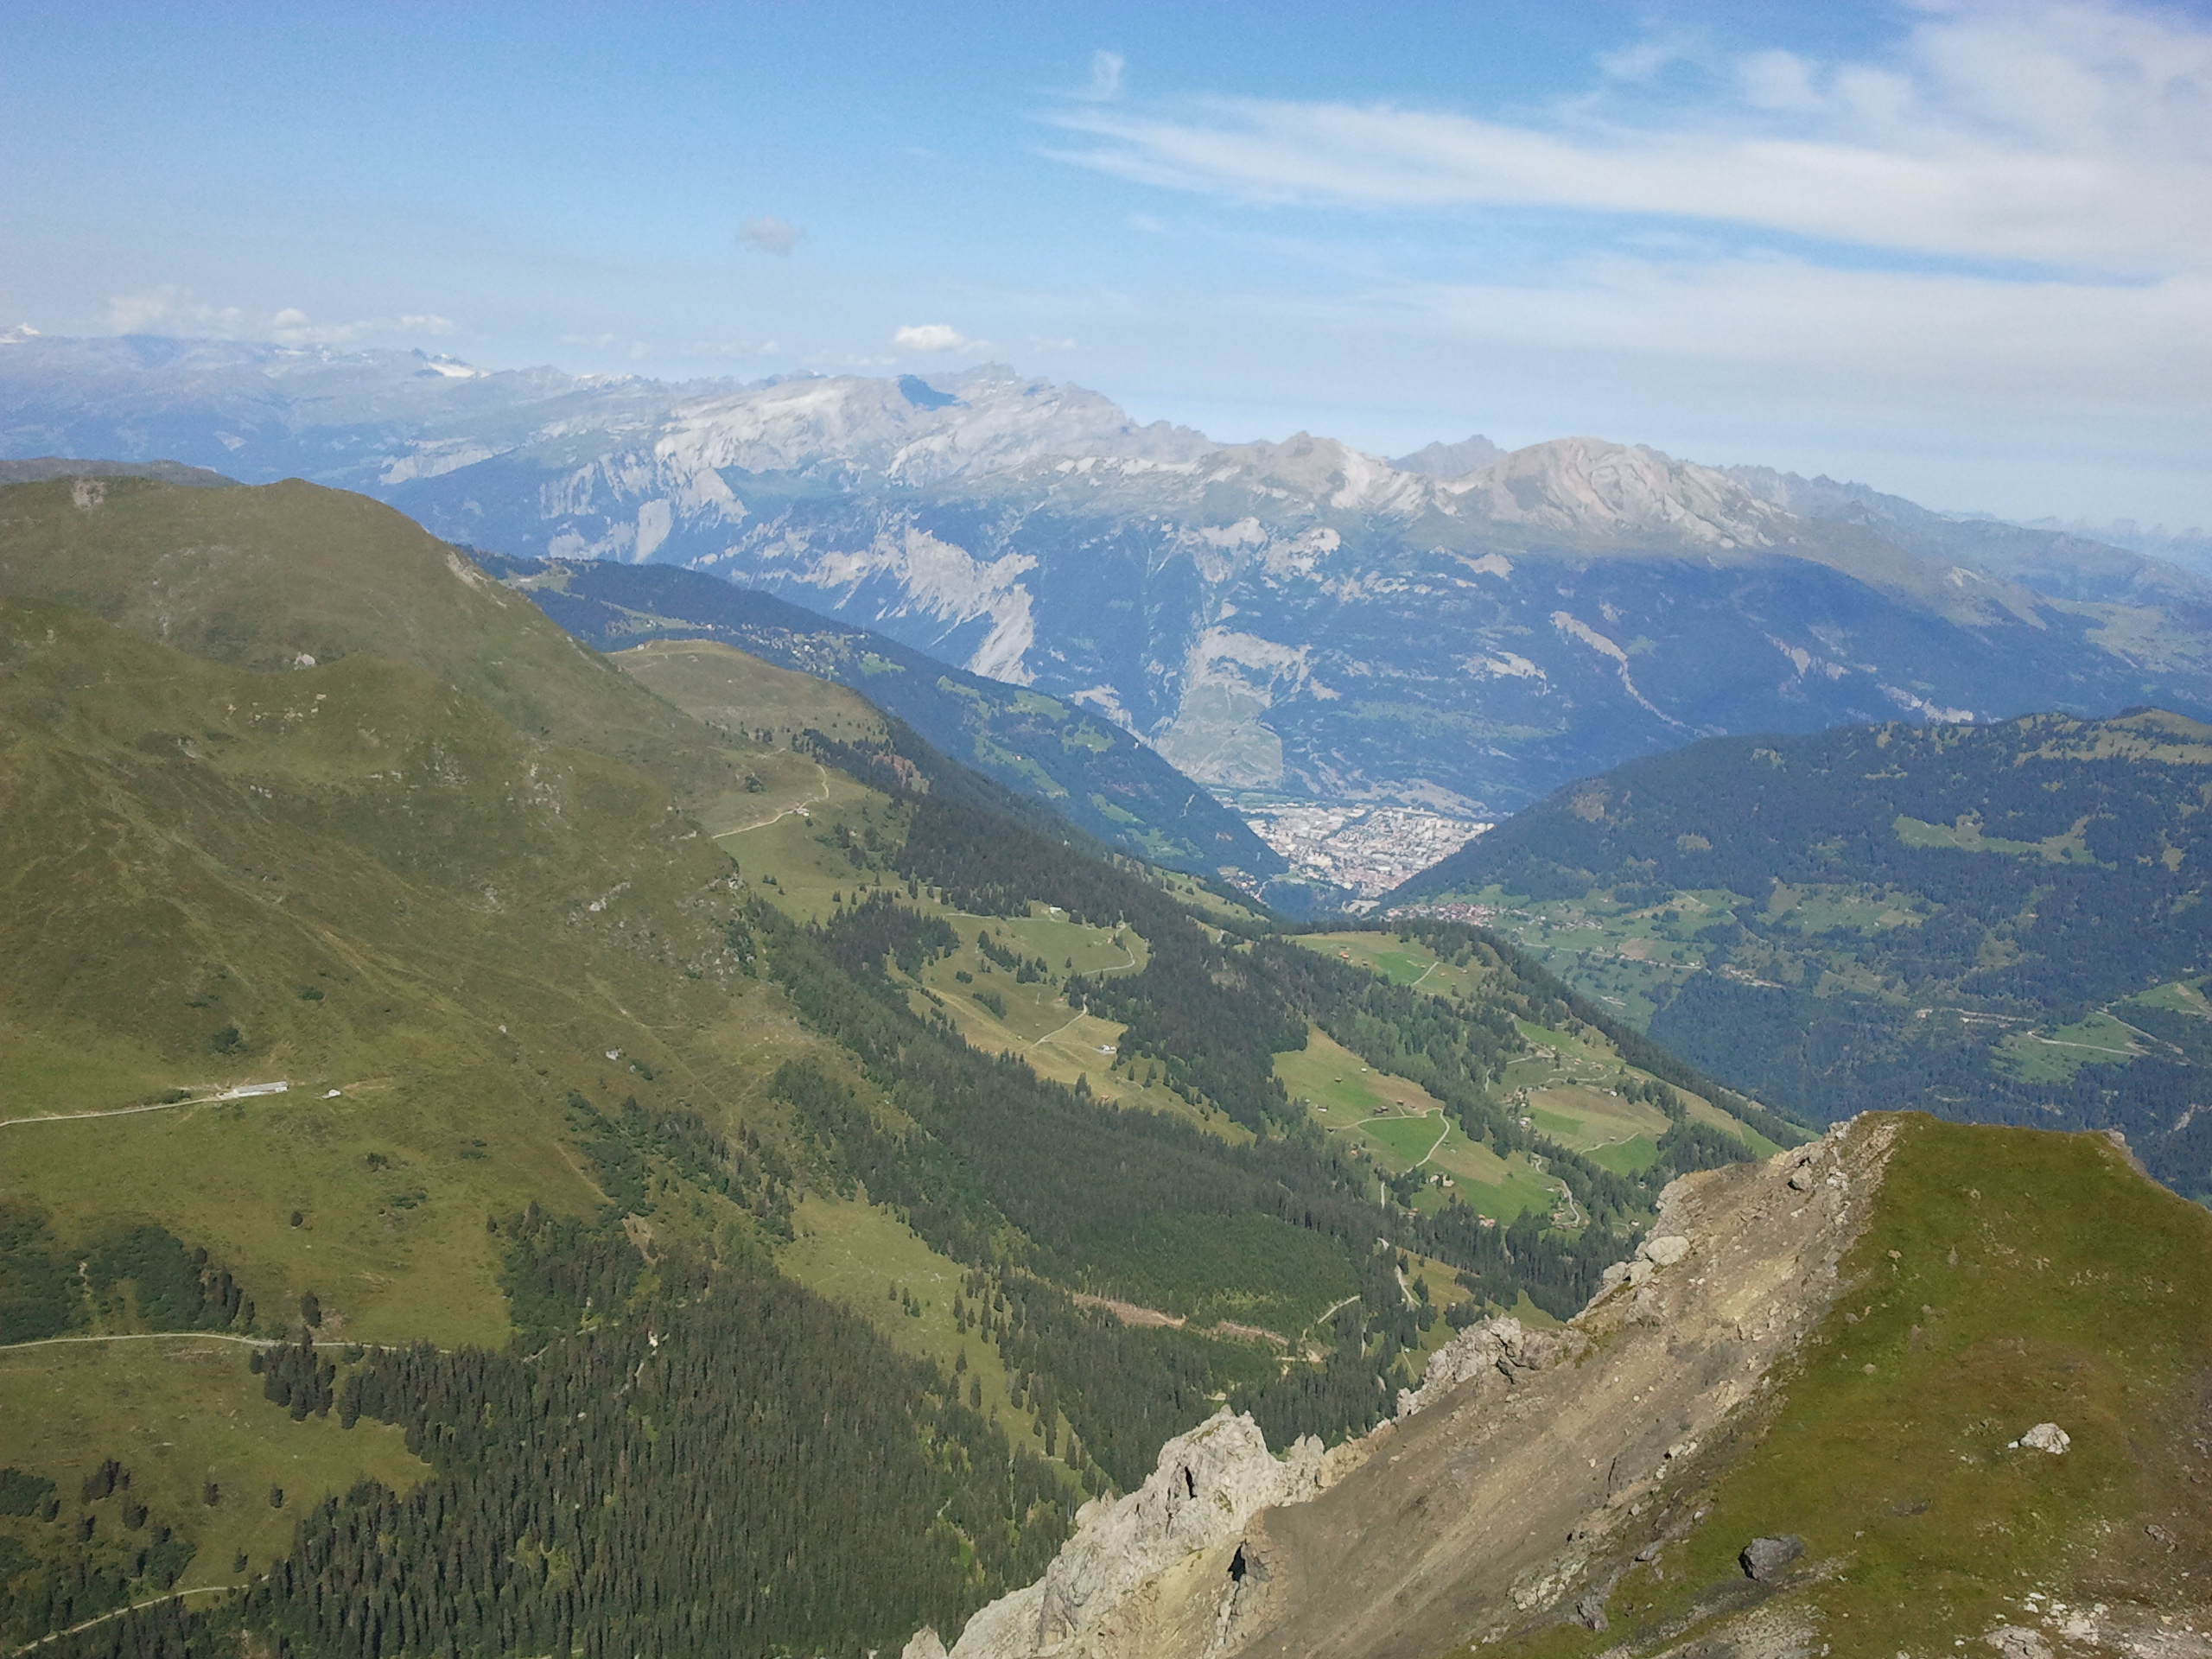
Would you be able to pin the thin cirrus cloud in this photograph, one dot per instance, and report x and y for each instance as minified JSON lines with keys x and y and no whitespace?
{"x":2062,"y":135}
{"x":769,"y":234}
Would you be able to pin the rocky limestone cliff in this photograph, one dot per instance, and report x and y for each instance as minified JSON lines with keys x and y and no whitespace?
{"x":1208,"y":1484}
{"x":1516,"y":1480}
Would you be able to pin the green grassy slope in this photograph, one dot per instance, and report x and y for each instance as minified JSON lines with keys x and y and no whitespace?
{"x":263,"y":578}
{"x":352,"y":879}
{"x":2002,"y":923}
{"x":2007,"y":1278}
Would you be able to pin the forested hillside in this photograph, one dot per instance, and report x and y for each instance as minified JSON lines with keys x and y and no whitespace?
{"x":518,"y":1169}
{"x":2005,"y":922}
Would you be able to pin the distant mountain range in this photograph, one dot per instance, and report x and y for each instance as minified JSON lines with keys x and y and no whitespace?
{"x":1462,"y":629}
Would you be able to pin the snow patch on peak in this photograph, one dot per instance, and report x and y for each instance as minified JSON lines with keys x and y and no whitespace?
{"x":452,"y":367}
{"x":987,"y":420}
{"x":1326,"y":473}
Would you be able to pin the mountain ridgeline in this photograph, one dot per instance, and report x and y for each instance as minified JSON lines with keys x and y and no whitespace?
{"x":458,"y":1097}
{"x":1464,"y":630}
{"x":2002,"y":923}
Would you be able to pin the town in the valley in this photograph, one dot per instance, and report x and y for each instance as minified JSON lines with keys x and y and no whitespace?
{"x":1366,"y":848}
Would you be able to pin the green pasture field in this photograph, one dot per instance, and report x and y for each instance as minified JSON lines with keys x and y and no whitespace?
{"x":1288,"y":1276}
{"x":1624,"y":959}
{"x":180,"y":1411}
{"x":738,"y":693}
{"x":1860,"y":910}
{"x":2179,"y":996}
{"x":1203,"y":899}
{"x":1400,"y":961}
{"x":796,"y":844}
{"x":1571,"y":1084}
{"x":1584,"y":1119}
{"x":1341,"y":1088}
{"x":1037,"y":1024}
{"x":392,"y":1182}
{"x":1965,"y":835}
{"x":1345,"y":1095}
{"x":1411,"y":1140}
{"x":1627,"y":1157}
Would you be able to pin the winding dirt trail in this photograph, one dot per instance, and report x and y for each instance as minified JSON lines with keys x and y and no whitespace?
{"x":199,"y":1336}
{"x":244,"y":1091}
{"x":801,"y":808}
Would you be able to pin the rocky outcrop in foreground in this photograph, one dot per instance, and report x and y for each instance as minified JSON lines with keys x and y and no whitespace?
{"x":1515,"y":1483}
{"x":1209,"y":1483}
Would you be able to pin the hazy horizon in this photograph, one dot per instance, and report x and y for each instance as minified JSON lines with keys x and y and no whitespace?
{"x":1958,"y":252}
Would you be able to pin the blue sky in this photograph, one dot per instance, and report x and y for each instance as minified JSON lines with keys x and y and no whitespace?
{"x":1962,"y":251}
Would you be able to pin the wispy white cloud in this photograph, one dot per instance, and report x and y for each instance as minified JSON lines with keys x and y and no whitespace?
{"x":769,"y":234}
{"x":730,"y":351}
{"x":2060,"y":133}
{"x":1105,"y":77}
{"x":1640,"y":60}
{"x":708,"y":349}
{"x":930,"y":337}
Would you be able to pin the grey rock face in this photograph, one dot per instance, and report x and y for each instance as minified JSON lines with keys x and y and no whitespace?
{"x":1495,"y":1346}
{"x":1762,"y":1559}
{"x":1207,"y":1484}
